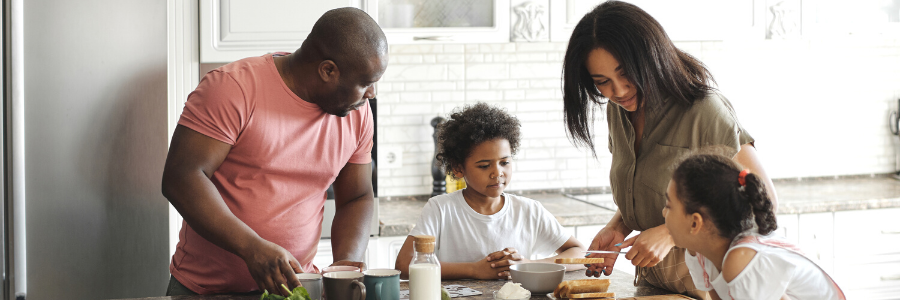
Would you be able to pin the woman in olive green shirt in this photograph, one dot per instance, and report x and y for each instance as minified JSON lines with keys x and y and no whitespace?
{"x":664,"y":108}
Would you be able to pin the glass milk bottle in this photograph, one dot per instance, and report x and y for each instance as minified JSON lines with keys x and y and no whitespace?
{"x":424,"y":271}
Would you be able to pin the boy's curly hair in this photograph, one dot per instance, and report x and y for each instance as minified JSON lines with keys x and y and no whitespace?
{"x":471,"y":126}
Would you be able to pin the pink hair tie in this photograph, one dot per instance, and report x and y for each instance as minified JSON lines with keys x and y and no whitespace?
{"x":742,"y":177}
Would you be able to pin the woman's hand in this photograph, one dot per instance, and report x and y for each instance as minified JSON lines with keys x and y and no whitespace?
{"x":649,"y":247}
{"x":606,"y":239}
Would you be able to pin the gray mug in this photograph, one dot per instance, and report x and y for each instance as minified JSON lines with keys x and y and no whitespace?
{"x":343,"y":285}
{"x":313,"y":284}
{"x":382,"y":284}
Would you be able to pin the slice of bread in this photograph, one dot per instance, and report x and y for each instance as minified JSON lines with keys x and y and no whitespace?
{"x":595,"y":286}
{"x":587,"y":260}
{"x":569,"y":287}
{"x":592,"y":295}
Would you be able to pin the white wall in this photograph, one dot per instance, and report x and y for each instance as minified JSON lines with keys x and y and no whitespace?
{"x":815,"y":107}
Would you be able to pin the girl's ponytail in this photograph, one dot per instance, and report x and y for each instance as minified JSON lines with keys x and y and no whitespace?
{"x":755,"y":191}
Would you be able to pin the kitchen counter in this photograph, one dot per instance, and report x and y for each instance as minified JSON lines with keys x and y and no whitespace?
{"x":620,"y":283}
{"x":595,"y":207}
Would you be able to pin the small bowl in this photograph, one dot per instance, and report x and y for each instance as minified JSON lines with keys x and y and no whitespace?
{"x":539,"y":278}
{"x":496,"y":297}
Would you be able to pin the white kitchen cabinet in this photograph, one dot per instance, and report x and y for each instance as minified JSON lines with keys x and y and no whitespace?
{"x":867,"y":253}
{"x":788,"y":226}
{"x":442,"y":21}
{"x":235,"y":29}
{"x":685,"y":20}
{"x":323,"y":254}
{"x":324,"y":257}
{"x":816,"y":238}
{"x":388,"y":248}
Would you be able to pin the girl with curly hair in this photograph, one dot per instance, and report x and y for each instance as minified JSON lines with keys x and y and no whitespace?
{"x":723,"y":216}
{"x":481,"y":230}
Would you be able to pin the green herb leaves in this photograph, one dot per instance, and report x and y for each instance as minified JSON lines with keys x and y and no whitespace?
{"x":299,"y":293}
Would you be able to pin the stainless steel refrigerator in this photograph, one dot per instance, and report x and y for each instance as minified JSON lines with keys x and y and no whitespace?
{"x":84,"y":143}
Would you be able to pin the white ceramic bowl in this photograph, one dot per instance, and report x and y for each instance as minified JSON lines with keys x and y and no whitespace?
{"x":539,"y":278}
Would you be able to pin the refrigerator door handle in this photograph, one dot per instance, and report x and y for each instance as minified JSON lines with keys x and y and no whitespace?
{"x":15,"y":284}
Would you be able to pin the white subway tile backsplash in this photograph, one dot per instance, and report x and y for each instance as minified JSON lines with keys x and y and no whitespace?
{"x":534,"y":153}
{"x":454,"y":48}
{"x":400,"y":72}
{"x":776,"y":88}
{"x":420,"y":49}
{"x":456,"y":72}
{"x":543,"y":105}
{"x":429,"y":86}
{"x":446,"y":96}
{"x":514,"y":95}
{"x":495,"y":48}
{"x":533,"y":47}
{"x":541,"y":94}
{"x":479,"y":71}
{"x":533,"y":70}
{"x":478,"y":85}
{"x":399,"y":121}
{"x":414,"y":97}
{"x":474,"y":57}
{"x":450,"y":58}
{"x":405,"y":59}
{"x":484,"y":96}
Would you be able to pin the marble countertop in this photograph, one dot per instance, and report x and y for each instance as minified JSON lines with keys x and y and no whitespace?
{"x":620,"y":283}
{"x":581,"y":208}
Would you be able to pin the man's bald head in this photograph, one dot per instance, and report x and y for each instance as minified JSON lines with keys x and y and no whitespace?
{"x":348,"y":36}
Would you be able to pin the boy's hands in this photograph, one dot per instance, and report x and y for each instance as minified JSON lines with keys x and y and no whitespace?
{"x":501,"y":261}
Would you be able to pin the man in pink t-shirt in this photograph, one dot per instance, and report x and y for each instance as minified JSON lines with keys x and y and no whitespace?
{"x":259,"y":142}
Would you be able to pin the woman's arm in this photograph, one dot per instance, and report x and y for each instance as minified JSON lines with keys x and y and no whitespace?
{"x":606,"y":239}
{"x":747,"y":157}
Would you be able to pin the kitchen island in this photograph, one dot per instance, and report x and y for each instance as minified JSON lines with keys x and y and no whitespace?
{"x":620,"y":283}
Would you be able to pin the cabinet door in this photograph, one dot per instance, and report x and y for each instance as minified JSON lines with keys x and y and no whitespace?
{"x":788,"y":227}
{"x":867,"y":252}
{"x":235,"y":29}
{"x":442,"y":21}
{"x":816,"y":238}
{"x":323,"y":257}
{"x":684,"y":20}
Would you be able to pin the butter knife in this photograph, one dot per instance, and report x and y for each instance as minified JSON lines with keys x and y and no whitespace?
{"x":605,"y":251}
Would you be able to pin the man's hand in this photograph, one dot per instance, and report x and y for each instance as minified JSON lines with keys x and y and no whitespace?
{"x":606,"y":239}
{"x":358,"y":264}
{"x":271,"y":266}
{"x":649,"y":247}
{"x":503,"y":259}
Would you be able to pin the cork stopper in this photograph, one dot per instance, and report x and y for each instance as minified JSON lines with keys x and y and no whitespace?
{"x":424,"y":243}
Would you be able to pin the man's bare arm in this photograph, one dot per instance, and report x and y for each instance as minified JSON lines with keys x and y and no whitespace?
{"x":191,"y":162}
{"x":354,"y":203}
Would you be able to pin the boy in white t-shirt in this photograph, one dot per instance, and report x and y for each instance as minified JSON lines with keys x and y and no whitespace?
{"x":481,"y":231}
{"x":723,"y":216}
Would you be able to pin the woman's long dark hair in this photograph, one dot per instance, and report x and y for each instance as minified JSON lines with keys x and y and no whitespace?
{"x":708,"y":184}
{"x":656,"y":68}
